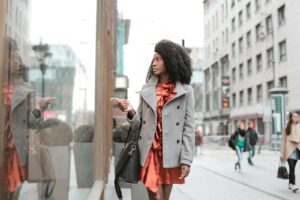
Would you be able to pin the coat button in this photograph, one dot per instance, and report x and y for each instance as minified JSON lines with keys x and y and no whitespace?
{"x":183,"y":129}
{"x":148,"y":106}
{"x":177,"y":124}
{"x":24,"y":121}
{"x":178,"y":141}
{"x":178,"y":107}
{"x":144,"y":122}
{"x":140,"y":137}
{"x":27,"y":136}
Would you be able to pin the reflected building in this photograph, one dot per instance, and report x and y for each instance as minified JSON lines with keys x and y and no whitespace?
{"x":17,"y":25}
{"x":65,"y":79}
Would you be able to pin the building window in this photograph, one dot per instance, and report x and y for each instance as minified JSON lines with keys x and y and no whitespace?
{"x":249,"y":39}
{"x":207,"y":102}
{"x":215,"y":100}
{"x":258,"y":31}
{"x":240,"y":18}
{"x":241,"y":45}
{"x":233,"y":75}
{"x":281,"y":15}
{"x":258,"y":63}
{"x":248,"y":10}
{"x":241,"y":71}
{"x":270,"y":85}
{"x":226,"y":35}
{"x":234,"y":100}
{"x":257,"y":5}
{"x":241,"y":98}
{"x":232,"y":3}
{"x":283,"y":82}
{"x":233,"y":49}
{"x":233,"y":24}
{"x":215,"y":74}
{"x":259,"y":93}
{"x":282,"y":50}
{"x":249,"y":67}
{"x":249,"y":95}
{"x":269,"y":24}
{"x":270,"y":56}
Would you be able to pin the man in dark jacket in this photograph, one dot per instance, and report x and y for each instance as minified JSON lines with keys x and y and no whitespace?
{"x":253,"y":137}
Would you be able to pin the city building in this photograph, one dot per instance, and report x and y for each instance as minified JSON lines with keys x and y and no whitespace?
{"x":254,"y":43}
{"x":197,"y":83}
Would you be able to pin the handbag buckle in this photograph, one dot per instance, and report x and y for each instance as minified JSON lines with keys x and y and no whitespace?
{"x":133,"y":148}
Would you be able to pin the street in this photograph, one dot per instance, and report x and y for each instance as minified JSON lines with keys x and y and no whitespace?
{"x":213,"y":177}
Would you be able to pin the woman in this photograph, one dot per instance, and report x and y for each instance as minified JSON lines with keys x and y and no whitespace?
{"x":241,"y":142}
{"x":290,"y":147}
{"x":166,"y":115}
{"x":19,"y":117}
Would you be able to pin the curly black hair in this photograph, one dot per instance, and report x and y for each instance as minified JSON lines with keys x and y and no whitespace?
{"x":176,"y":59}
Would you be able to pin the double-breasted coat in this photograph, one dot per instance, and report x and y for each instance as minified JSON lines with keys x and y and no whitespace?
{"x":178,"y":124}
{"x":290,"y":142}
{"x":22,"y":118}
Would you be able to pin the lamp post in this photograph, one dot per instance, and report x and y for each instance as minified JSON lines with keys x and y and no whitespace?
{"x":43,"y":56}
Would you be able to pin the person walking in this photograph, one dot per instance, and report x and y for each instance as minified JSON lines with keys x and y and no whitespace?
{"x":241,"y":142}
{"x":199,"y":142}
{"x":166,"y":116}
{"x":253,"y":138}
{"x":290,"y":147}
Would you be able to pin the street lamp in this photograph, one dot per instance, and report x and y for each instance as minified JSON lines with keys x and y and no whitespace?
{"x":43,"y":56}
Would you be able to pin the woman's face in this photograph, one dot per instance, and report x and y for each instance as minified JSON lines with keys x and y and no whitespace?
{"x":242,"y":126}
{"x":295,"y":118}
{"x":158,"y":66}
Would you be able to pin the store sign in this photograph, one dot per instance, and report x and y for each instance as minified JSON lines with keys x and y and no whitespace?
{"x":225,"y":91}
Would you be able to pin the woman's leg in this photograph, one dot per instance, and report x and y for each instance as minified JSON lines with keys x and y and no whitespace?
{"x":292,"y":164}
{"x":167,"y":188}
{"x":156,"y":196}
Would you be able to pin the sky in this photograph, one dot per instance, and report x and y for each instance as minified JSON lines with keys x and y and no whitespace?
{"x":73,"y":22}
{"x":152,"y":21}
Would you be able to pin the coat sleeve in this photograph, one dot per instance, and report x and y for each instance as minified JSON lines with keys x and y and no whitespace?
{"x":135,"y":121}
{"x":34,"y":116}
{"x":188,"y":136}
{"x":283,"y":143}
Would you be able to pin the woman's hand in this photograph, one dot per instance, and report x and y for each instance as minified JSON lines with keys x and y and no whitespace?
{"x":185,"y":170}
{"x":43,"y":103}
{"x":123,"y":104}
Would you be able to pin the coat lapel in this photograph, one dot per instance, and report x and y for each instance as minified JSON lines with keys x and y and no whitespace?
{"x":149,"y":93}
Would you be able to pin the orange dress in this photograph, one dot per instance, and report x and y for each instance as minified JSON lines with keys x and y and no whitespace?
{"x":153,"y":173}
{"x":14,"y":174}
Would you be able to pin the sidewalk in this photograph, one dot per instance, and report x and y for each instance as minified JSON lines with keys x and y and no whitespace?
{"x":213,"y":177}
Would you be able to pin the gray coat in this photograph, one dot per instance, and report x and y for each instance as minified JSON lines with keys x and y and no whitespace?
{"x":177,"y":124}
{"x":22,"y":118}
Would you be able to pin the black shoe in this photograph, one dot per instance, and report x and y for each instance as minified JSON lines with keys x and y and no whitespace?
{"x":237,"y":166}
{"x":250,"y":161}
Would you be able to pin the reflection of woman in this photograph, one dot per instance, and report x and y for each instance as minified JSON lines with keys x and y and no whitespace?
{"x":19,"y":117}
{"x":290,"y":147}
{"x":166,"y":115}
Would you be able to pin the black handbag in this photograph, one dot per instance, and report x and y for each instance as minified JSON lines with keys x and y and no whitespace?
{"x":282,"y":171}
{"x":231,"y":141}
{"x":128,"y":163}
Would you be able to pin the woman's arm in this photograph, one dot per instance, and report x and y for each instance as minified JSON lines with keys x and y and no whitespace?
{"x":188,"y":136}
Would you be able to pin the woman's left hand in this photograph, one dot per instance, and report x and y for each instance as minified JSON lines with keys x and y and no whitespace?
{"x":185,"y":170}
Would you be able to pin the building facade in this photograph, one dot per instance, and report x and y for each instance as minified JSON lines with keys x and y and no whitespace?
{"x":258,"y":40}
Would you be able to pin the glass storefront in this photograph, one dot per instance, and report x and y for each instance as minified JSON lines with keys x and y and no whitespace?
{"x":48,"y":92}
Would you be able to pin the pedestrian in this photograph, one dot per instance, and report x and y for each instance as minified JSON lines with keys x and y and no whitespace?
{"x":241,"y":143}
{"x":253,"y":138}
{"x":166,"y":115}
{"x":290,"y":147}
{"x":199,"y":142}
{"x":20,"y":116}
